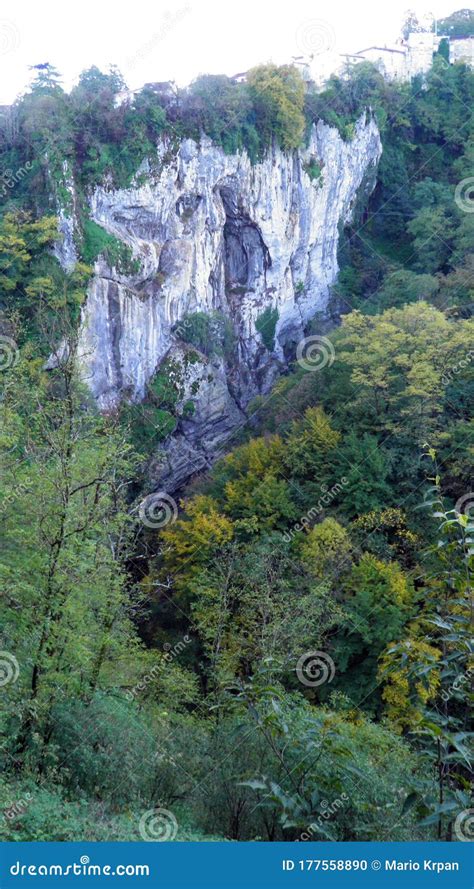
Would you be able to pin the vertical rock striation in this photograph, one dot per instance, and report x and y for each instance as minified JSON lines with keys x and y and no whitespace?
{"x":213,"y":233}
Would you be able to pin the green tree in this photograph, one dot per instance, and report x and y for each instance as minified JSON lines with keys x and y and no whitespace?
{"x":429,"y":675}
{"x":278,"y":99}
{"x":327,"y":550}
{"x":378,"y":600}
{"x":254,"y":604}
{"x":399,"y":363}
{"x":458,"y":24}
{"x":67,"y":538}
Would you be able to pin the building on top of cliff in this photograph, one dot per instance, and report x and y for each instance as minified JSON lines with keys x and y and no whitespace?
{"x":318,"y":68}
{"x":461,"y":49}
{"x":407,"y":58}
{"x":304,"y":65}
{"x":240,"y":77}
{"x":166,"y":90}
{"x":390,"y":60}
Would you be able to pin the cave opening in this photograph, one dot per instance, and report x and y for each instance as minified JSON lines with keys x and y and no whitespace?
{"x":247,"y":257}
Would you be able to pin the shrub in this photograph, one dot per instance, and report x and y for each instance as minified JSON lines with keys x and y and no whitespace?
{"x":97,"y":241}
{"x":266,"y":325}
{"x":313,"y":169}
{"x":112,"y":751}
{"x":148,"y":424}
{"x":211,"y":334}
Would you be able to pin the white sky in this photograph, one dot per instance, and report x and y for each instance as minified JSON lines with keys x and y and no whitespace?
{"x":178,"y":39}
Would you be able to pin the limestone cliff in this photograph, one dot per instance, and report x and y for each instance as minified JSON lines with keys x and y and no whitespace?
{"x":211,"y":232}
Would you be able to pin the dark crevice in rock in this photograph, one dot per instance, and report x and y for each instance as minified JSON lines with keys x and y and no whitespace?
{"x":187,"y":205}
{"x":115,"y":322}
{"x":247,"y":257}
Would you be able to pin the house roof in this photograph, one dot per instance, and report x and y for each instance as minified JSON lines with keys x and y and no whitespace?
{"x":380,"y":49}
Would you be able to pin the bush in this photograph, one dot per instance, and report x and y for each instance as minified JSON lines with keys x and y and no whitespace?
{"x":354,"y":787}
{"x":43,"y":812}
{"x":148,"y":424}
{"x":313,"y":169}
{"x":111,"y":751}
{"x":211,"y":334}
{"x":97,"y":241}
{"x":266,"y":325}
{"x":223,"y":804}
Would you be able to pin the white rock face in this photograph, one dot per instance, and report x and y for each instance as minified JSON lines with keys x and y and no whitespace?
{"x":65,"y":248}
{"x":211,"y":232}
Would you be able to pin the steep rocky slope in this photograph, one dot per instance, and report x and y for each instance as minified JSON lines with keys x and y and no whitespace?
{"x":211,"y":232}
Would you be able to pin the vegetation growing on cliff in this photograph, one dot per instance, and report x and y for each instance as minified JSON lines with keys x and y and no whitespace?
{"x":291,"y":638}
{"x":458,"y":24}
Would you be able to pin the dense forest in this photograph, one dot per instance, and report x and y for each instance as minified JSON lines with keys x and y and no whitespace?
{"x":289,"y":656}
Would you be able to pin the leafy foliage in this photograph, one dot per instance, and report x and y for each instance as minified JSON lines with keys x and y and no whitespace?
{"x":266,"y":324}
{"x":97,"y":241}
{"x":175,"y":656}
{"x":458,"y":24}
